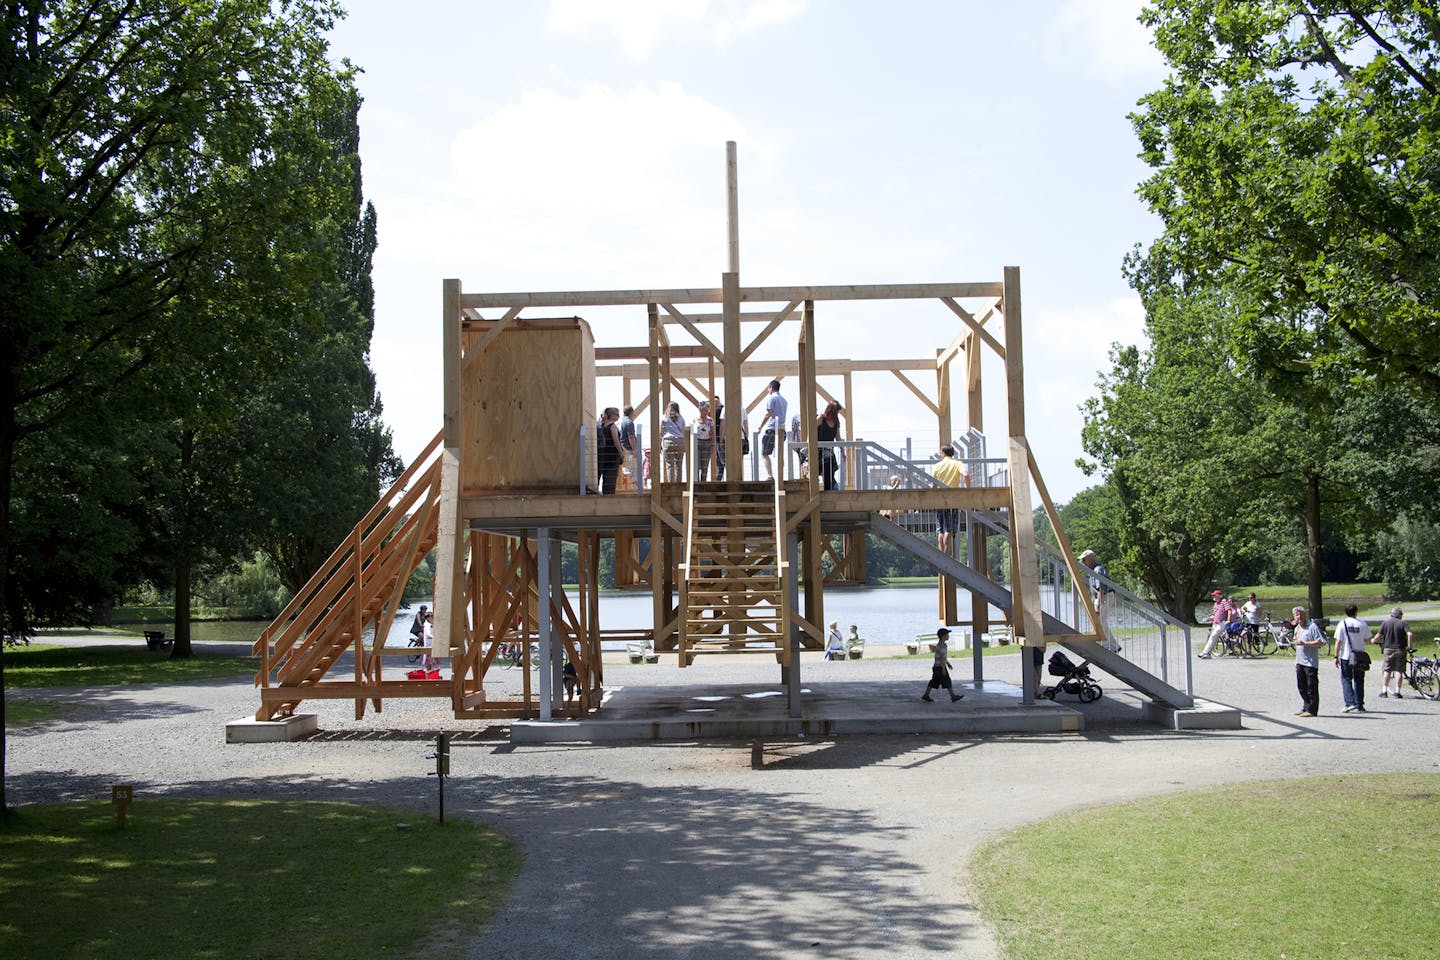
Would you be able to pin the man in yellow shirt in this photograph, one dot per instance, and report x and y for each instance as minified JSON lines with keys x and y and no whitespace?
{"x":952,"y":473}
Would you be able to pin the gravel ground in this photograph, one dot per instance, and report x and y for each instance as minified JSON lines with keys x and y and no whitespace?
{"x":850,"y":848}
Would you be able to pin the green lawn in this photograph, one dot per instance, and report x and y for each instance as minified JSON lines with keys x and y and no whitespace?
{"x":19,"y":710}
{"x":1300,"y":869}
{"x":244,"y":879}
{"x":45,"y":665}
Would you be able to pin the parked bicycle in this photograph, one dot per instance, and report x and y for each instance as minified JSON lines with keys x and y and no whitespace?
{"x":1238,"y":641}
{"x":512,"y":655}
{"x":1273,"y":636}
{"x":1423,"y":674}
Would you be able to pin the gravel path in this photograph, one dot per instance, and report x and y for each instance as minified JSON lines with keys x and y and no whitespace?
{"x":850,"y":848}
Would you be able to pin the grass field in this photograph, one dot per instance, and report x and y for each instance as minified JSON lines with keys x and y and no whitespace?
{"x":1297,"y":869}
{"x":49,"y":665}
{"x":243,"y":879}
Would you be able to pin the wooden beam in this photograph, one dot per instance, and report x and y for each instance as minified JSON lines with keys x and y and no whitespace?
{"x":624,"y":298}
{"x":770,"y":328}
{"x":973,"y":325}
{"x":684,"y":321}
{"x":930,"y":404}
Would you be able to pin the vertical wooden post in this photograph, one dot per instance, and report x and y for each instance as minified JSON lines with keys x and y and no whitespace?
{"x":1024,"y":569}
{"x":948,"y":601}
{"x":976,"y":547}
{"x":357,"y":621}
{"x":732,"y":209}
{"x":451,"y":539}
{"x":814,"y":571}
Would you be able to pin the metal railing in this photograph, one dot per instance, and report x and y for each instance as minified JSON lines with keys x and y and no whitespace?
{"x":1134,"y":628}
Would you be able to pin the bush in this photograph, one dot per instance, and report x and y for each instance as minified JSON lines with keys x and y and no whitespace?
{"x":1403,"y":557}
{"x":253,"y":591}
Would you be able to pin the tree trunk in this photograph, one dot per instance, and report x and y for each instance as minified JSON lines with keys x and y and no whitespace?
{"x":1312,"y":542}
{"x":7,"y":463}
{"x":182,"y":541}
{"x":181,"y":647}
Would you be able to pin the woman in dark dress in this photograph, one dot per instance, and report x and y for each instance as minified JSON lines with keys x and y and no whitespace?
{"x":827,"y":430}
{"x":607,"y":448}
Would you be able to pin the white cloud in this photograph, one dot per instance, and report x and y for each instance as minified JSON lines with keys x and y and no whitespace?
{"x":1104,"y":39}
{"x":639,"y":24}
{"x":614,"y":184}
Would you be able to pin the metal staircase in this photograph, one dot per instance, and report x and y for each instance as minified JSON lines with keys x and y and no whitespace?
{"x":733,"y":593}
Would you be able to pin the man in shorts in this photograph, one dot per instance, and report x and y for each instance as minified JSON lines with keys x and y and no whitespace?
{"x":952,"y":473}
{"x":775,"y":410}
{"x":1395,"y":640}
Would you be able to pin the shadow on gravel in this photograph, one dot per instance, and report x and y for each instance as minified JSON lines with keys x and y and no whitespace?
{"x":654,"y":871}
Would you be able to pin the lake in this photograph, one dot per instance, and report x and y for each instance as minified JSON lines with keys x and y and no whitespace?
{"x":885,"y":615}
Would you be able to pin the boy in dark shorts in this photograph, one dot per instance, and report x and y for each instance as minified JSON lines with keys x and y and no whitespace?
{"x":940,"y":670}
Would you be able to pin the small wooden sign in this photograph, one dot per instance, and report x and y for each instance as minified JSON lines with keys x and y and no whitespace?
{"x":121,"y":794}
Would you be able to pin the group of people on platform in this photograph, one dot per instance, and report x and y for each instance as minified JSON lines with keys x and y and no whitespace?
{"x":1352,"y":634}
{"x":619,"y":452}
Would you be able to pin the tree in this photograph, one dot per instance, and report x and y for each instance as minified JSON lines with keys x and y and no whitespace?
{"x":146,"y":145}
{"x":1296,"y":168}
{"x":316,"y":453}
{"x":1173,"y":432}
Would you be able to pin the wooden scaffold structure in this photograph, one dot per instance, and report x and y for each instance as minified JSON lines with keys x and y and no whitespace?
{"x":513,"y":475}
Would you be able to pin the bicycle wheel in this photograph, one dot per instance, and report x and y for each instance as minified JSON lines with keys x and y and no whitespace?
{"x":1254,"y":646}
{"x":1426,"y":680}
{"x":1266,"y":639}
{"x":414,"y":642}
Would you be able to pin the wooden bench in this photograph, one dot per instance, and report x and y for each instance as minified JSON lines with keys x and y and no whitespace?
{"x":155,"y":640}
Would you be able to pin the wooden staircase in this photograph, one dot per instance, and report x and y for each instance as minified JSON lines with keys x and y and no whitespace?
{"x":733,"y":596}
{"x":359,"y":587}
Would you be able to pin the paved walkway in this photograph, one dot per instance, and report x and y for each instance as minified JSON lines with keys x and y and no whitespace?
{"x":852,"y":846}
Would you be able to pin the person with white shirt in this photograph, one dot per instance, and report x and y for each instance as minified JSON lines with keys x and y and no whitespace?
{"x":1350,"y":656}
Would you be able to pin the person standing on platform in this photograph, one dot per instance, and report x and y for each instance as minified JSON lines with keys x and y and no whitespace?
{"x":607,"y":449}
{"x":940,"y":668}
{"x":672,"y":444}
{"x":704,"y":428}
{"x":827,"y":431}
{"x":775,"y":411}
{"x":629,"y":443}
{"x":719,"y":438}
{"x":952,"y":473}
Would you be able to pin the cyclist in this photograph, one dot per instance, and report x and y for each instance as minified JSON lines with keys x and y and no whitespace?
{"x":1395,"y":640}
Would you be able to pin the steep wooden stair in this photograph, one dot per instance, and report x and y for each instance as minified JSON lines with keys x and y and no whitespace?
{"x":733,"y":595}
{"x":360,"y":586}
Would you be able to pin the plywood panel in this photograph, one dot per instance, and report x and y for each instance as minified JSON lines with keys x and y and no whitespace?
{"x":523,"y":402}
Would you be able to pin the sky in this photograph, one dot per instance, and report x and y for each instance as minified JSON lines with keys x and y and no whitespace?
{"x":580,"y":145}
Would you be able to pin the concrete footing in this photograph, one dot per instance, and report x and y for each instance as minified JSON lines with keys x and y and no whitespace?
{"x":250,"y":730}
{"x":1205,"y":715}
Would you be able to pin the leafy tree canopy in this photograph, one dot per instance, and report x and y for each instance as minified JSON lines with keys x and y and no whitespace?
{"x":1296,"y":165}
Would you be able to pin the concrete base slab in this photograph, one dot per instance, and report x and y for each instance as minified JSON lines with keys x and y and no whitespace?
{"x":1205,"y":715}
{"x":737,"y":711}
{"x":250,"y":730}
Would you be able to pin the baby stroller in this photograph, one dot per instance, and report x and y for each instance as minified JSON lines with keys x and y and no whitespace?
{"x":1073,"y":679}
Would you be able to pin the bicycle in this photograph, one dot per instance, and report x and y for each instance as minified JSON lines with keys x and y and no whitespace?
{"x":1235,"y":643}
{"x":416,"y":641}
{"x":512,"y":655}
{"x":1274,"y":637}
{"x":1423,"y":674}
